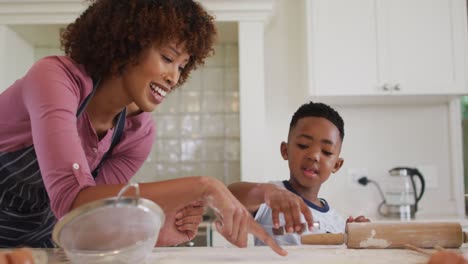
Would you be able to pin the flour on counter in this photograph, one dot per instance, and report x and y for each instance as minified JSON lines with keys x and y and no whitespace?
{"x":372,"y":242}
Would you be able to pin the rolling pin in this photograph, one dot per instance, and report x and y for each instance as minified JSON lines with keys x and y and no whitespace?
{"x":393,"y":235}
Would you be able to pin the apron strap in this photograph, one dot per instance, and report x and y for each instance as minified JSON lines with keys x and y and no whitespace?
{"x":82,"y":107}
{"x":119,"y":127}
{"x":116,"y":136}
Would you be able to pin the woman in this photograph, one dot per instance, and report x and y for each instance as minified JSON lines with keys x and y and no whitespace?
{"x":76,"y":128}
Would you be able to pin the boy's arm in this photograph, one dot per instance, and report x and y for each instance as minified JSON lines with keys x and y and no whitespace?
{"x":252,"y":195}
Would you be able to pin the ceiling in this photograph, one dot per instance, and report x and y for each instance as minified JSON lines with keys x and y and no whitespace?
{"x":48,"y":35}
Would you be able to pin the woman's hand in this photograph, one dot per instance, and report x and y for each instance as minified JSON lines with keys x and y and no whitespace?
{"x":360,"y":218}
{"x":291,"y":205}
{"x":234,"y":221}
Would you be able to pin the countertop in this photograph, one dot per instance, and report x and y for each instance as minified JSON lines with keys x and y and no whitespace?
{"x":297,"y":254}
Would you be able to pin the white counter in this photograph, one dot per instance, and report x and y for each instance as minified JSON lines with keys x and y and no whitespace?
{"x":297,"y":255}
{"x":223,"y":252}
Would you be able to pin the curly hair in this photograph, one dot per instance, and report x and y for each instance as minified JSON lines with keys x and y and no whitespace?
{"x":111,"y":34}
{"x":312,"y":109}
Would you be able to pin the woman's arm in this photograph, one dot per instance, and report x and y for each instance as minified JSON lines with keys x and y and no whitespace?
{"x":250,"y":194}
{"x":51,"y":91}
{"x":169,"y":194}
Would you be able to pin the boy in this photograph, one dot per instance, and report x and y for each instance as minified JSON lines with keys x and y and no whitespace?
{"x":313,"y":153}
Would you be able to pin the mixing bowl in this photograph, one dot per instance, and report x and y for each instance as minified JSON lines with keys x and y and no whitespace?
{"x":120,"y":230}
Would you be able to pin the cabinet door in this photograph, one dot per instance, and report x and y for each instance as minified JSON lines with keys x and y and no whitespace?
{"x":422,"y":45}
{"x":342,"y":47}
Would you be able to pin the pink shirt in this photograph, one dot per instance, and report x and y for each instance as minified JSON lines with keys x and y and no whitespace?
{"x":40,"y":109}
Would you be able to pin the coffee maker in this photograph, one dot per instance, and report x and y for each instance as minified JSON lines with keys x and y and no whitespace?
{"x":401,"y":196}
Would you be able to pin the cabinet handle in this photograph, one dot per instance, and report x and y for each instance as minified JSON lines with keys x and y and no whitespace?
{"x":386,"y":87}
{"x":397,"y":87}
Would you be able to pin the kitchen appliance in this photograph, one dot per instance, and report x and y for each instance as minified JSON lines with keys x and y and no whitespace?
{"x":393,"y":235}
{"x":401,"y":196}
{"x":118,"y":230}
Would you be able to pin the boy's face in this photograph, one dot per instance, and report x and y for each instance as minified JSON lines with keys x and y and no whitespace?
{"x":312,"y":151}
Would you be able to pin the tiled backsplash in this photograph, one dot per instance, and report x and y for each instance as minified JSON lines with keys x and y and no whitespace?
{"x":198,"y":124}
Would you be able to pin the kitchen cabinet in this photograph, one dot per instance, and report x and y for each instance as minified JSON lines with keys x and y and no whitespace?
{"x":386,"y":47}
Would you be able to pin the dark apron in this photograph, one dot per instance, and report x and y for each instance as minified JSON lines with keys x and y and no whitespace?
{"x":26,"y":218}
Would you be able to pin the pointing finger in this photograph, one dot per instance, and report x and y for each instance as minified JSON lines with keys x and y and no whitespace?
{"x":261,"y":234}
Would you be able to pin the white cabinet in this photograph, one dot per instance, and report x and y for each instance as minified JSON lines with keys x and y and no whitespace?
{"x":382,"y":47}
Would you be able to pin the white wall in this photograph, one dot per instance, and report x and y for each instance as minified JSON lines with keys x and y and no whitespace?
{"x":377,"y":137}
{"x":285,"y":82}
{"x":13,"y":64}
{"x":41,"y":52}
{"x":285,"y":79}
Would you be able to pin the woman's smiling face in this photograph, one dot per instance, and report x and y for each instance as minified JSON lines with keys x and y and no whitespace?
{"x":157,"y":72}
{"x":312,"y":151}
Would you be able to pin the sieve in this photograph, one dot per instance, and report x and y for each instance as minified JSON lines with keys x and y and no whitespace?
{"x":119,"y":230}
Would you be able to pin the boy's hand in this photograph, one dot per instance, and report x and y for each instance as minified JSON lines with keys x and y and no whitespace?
{"x":360,"y":218}
{"x":181,"y":226}
{"x":291,"y":205}
{"x":189,"y":218}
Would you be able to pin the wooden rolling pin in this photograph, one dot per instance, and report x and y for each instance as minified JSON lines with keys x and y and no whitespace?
{"x":393,"y":235}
